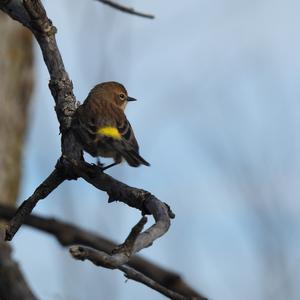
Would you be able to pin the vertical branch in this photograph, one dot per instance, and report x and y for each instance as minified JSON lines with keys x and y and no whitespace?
{"x":12,"y":285}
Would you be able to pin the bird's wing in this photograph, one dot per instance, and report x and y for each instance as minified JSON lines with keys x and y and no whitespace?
{"x":119,"y":130}
{"x":113,"y":130}
{"x":127,"y":134}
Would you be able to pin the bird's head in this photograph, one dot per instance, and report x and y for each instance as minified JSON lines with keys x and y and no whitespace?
{"x":113,"y":92}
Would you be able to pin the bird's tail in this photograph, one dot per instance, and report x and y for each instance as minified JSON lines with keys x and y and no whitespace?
{"x":134,"y":159}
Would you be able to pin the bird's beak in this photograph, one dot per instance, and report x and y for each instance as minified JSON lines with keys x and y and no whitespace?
{"x":131,"y":99}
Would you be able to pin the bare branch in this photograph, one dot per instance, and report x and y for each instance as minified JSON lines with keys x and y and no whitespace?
{"x":125,"y":9}
{"x":122,"y":254}
{"x":127,"y":246}
{"x":133,"y":274}
{"x":72,"y":165}
{"x":67,"y":235}
{"x":116,"y":190}
{"x":133,"y":197}
{"x":43,"y":190}
{"x":16,"y":11}
{"x":13,"y":285}
{"x":100,"y":258}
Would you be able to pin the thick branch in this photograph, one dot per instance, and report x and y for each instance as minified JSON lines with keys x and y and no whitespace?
{"x":133,"y":197}
{"x":15,"y":9}
{"x":116,"y":190}
{"x":33,"y":15}
{"x":126,"y":9}
{"x":13,"y":285}
{"x":62,"y":92}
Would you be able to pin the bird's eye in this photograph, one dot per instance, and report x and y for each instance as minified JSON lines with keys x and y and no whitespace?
{"x":122,"y":96}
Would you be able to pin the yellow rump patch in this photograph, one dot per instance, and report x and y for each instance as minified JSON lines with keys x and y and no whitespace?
{"x":110,"y":132}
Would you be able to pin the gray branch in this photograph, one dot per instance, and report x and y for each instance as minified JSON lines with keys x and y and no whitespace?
{"x":68,"y":234}
{"x":71,"y":165}
{"x":13,"y":285}
{"x":100,"y":258}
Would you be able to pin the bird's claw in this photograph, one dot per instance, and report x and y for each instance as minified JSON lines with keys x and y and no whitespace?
{"x":99,"y":164}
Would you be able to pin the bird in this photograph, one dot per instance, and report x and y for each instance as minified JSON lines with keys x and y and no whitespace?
{"x":101,"y":127}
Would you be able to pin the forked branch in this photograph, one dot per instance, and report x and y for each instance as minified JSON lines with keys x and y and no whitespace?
{"x":68,"y":234}
{"x":71,"y":165}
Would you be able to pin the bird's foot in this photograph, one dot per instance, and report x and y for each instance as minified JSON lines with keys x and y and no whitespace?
{"x":98,"y":163}
{"x":109,"y":166}
{"x":101,"y":165}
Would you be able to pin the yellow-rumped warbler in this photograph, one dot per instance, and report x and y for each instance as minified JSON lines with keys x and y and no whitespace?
{"x":102,"y":128}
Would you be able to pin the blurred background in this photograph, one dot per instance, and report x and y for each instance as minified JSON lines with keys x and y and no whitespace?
{"x":218,"y":119}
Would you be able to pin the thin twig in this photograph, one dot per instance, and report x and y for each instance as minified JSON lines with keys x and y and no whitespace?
{"x":126,"y":9}
{"x":135,"y":275}
{"x":100,"y":258}
{"x":128,"y":246}
{"x":43,"y":190}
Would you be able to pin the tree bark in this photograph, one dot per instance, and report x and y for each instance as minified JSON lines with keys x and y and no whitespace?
{"x":16,"y":83}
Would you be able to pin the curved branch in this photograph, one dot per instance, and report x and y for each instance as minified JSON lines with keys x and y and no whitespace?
{"x":119,"y":256}
{"x":62,"y":91}
{"x":68,"y":234}
{"x":137,"y":198}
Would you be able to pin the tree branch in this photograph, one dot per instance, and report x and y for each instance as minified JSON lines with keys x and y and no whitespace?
{"x":131,"y":273}
{"x":43,"y":190}
{"x":100,"y":258}
{"x":71,"y":165}
{"x":127,"y":246}
{"x":125,"y":9}
{"x":13,"y":286}
{"x":61,"y":88}
{"x":140,"y":199}
{"x":67,"y":235}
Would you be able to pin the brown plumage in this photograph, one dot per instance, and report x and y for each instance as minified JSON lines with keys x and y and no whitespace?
{"x":102,"y":128}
